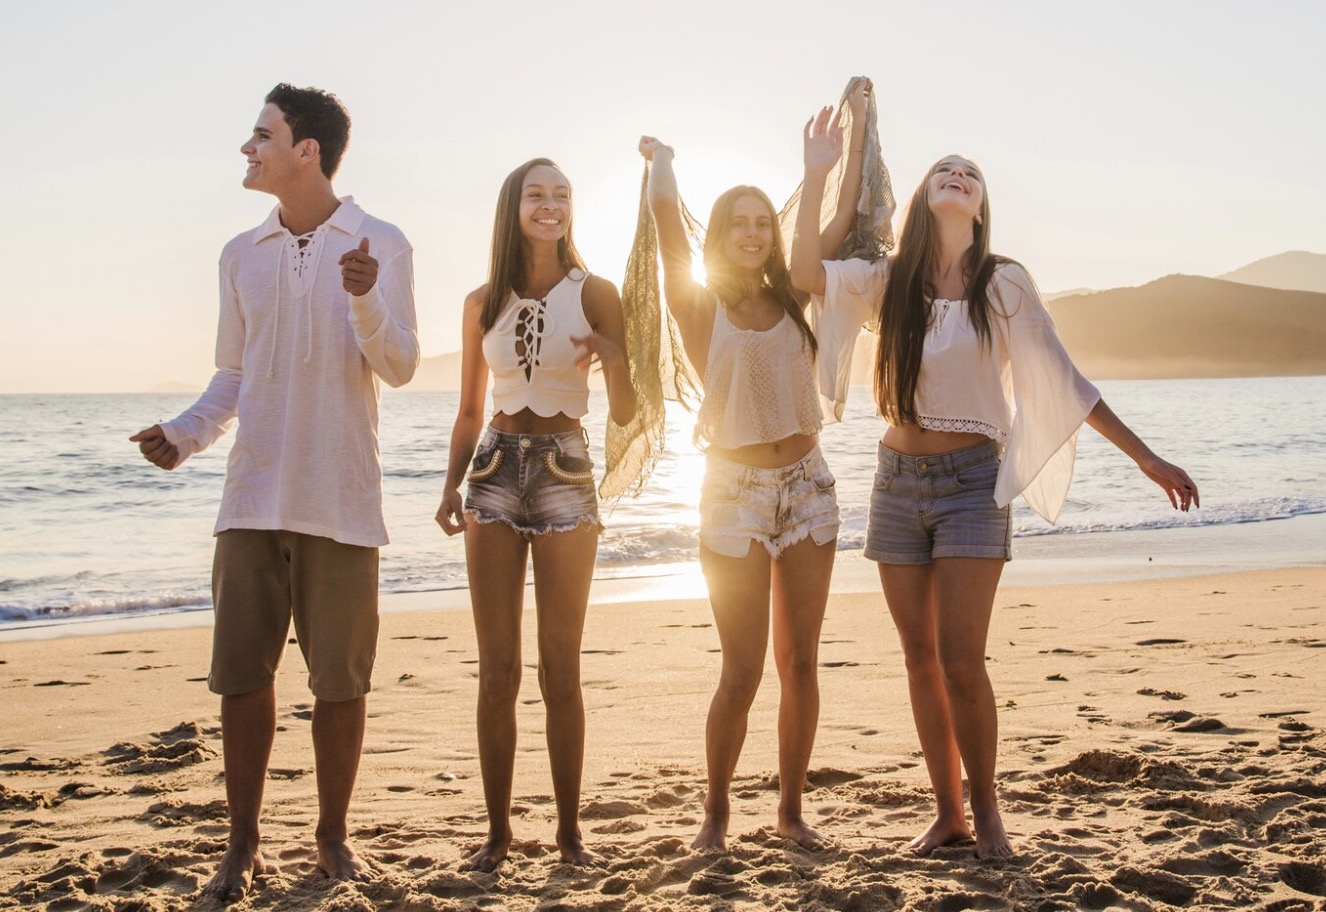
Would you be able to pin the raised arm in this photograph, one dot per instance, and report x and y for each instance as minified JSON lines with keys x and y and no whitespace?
{"x":823,"y":146}
{"x":1176,"y":484}
{"x":469,"y":414}
{"x":688,"y":301}
{"x":834,"y":233}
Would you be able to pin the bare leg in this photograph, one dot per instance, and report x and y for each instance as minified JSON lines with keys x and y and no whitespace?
{"x":563,"y":570}
{"x":909,"y":591}
{"x":248,"y":726}
{"x":964,"y":592}
{"x":338,"y":739}
{"x":495,"y":555}
{"x":739,"y":595}
{"x":800,"y":592}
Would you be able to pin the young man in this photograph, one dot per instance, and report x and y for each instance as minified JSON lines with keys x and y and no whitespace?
{"x":317,"y":303}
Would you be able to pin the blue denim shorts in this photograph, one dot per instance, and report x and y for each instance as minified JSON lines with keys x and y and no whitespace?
{"x":925,"y":507}
{"x":535,"y":483}
{"x":775,"y":507}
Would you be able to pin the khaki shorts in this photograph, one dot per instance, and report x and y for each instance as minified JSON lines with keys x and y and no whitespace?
{"x":260,"y":579}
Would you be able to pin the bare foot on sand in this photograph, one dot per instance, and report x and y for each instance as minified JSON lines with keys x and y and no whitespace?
{"x":941,"y":833}
{"x":991,"y":838}
{"x":713,"y":834}
{"x":799,"y":832}
{"x":573,"y":849}
{"x":340,"y":862}
{"x":491,"y":854}
{"x":235,"y":874}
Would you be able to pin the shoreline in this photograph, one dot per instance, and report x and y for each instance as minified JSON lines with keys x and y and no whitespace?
{"x":1038,"y":560}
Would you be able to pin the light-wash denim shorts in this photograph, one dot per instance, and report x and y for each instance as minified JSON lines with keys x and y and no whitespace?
{"x":535,"y":483}
{"x":925,"y":507}
{"x":775,"y":507}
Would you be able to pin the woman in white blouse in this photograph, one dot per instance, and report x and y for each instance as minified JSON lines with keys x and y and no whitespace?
{"x":968,"y":365}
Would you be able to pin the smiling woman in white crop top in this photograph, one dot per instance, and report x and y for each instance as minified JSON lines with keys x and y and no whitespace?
{"x":969,"y":364}
{"x":768,"y":511}
{"x":536,"y":326}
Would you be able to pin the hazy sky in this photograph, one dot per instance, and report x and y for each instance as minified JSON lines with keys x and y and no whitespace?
{"x":1120,"y":142}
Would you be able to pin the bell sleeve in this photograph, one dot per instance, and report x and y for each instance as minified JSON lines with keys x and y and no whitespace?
{"x":853,"y":291}
{"x":1051,"y":399}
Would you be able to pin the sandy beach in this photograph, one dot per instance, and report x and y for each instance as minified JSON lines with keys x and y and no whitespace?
{"x":1161,"y":745}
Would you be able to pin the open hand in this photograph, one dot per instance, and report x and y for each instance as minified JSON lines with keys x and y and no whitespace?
{"x":823,"y":146}
{"x":359,"y":271}
{"x":595,"y":347}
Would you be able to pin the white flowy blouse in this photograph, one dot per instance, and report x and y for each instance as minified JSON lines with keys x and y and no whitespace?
{"x":1022,"y":390}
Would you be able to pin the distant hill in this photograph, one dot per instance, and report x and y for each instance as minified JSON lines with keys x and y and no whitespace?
{"x":1297,"y":270}
{"x":441,"y":372}
{"x":1190,"y":326}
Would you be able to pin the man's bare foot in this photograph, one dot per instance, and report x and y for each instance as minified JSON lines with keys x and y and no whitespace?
{"x":713,"y":835}
{"x":234,"y":875}
{"x":339,"y":861}
{"x":573,"y":849}
{"x":798,"y":831}
{"x":941,"y":833}
{"x":491,"y":854}
{"x":991,"y":838}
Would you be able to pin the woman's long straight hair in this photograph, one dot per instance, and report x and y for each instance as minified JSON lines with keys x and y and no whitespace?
{"x":506,"y":258}
{"x":909,"y":292}
{"x":732,"y":288}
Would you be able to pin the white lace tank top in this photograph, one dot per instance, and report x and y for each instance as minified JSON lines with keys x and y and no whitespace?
{"x":759,"y":386}
{"x":530,"y":352}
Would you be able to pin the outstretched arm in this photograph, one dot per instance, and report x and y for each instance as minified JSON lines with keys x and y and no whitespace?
{"x":686,"y":298}
{"x":823,"y":146}
{"x":1176,"y":484}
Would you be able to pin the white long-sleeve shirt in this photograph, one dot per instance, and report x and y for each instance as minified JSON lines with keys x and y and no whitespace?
{"x":1022,"y":390}
{"x":298,"y":361}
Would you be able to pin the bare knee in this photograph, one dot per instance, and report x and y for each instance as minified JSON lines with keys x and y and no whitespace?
{"x":559,"y":684}
{"x":964,"y":675}
{"x":738,"y":686}
{"x":797,"y":668}
{"x":499,"y":682}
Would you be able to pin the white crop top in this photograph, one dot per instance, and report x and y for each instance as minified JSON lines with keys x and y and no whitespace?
{"x":530,"y":352}
{"x":1023,"y":390}
{"x":759,"y":386}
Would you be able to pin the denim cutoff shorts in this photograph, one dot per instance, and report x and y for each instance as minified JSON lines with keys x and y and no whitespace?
{"x":775,"y":507}
{"x":535,"y":483}
{"x":925,"y":507}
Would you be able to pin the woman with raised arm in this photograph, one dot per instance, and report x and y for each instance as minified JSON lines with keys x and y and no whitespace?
{"x":982,"y":404}
{"x":768,"y":512}
{"x":536,"y":326}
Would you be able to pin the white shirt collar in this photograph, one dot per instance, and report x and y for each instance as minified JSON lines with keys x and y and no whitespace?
{"x":347,"y":218}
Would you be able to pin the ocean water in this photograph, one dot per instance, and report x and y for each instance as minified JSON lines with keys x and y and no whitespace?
{"x":89,"y":530}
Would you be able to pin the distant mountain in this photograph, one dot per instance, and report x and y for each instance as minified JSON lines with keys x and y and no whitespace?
{"x":441,"y":372}
{"x":1056,"y":295}
{"x":1191,"y":326}
{"x":1297,"y":270}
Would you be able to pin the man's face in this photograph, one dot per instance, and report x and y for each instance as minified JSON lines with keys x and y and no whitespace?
{"x":271,"y":152}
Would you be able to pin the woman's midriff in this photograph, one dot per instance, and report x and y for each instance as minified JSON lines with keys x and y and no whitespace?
{"x":769,"y":455}
{"x":914,"y":440}
{"x":526,"y":421}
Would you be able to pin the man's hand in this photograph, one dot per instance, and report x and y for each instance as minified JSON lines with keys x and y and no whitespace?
{"x":359,"y":271}
{"x":156,"y":449}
